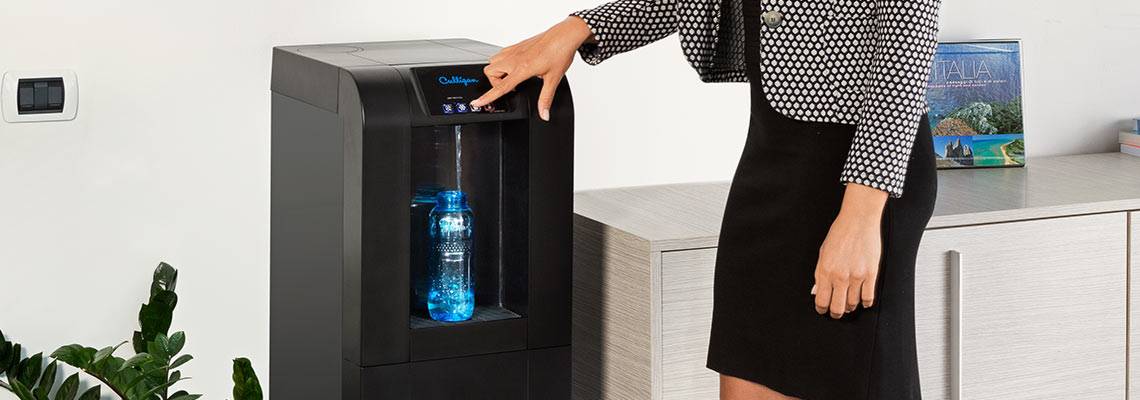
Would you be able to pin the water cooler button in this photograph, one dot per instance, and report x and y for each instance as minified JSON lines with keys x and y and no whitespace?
{"x":447,"y":109}
{"x":461,"y":107}
{"x":476,"y":109}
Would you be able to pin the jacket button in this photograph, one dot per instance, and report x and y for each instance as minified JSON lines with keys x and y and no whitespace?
{"x":772,"y":18}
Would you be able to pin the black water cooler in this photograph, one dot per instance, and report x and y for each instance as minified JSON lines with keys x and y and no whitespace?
{"x":357,"y":130}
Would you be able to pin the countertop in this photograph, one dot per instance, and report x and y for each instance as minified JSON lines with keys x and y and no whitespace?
{"x":688,"y":215}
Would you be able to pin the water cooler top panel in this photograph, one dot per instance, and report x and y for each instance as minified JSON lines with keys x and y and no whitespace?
{"x":410,"y":52}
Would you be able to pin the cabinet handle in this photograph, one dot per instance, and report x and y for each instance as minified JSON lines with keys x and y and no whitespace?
{"x":955,"y":325}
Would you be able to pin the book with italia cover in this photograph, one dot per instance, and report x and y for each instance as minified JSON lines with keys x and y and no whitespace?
{"x":974,"y":96}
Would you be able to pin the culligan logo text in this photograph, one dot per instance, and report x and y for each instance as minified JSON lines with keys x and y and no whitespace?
{"x":457,"y":80}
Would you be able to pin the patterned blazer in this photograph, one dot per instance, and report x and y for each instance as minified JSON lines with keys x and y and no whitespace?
{"x":860,"y":62}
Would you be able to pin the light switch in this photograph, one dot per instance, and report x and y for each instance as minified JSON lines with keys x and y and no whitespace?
{"x":46,"y":95}
{"x":34,"y":96}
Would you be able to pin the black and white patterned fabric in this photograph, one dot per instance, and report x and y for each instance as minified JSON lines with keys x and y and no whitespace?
{"x":861,"y":62}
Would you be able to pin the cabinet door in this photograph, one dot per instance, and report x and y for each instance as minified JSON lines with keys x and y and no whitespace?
{"x":1042,"y":309}
{"x":686,"y":315}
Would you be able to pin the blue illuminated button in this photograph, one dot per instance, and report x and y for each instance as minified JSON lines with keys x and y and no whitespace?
{"x":447,"y":109}
{"x":461,"y":107}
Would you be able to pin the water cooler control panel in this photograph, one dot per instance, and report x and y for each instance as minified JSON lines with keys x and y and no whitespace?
{"x":449,"y":90}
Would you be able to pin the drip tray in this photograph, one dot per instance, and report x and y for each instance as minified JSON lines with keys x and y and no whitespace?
{"x":482,"y":314}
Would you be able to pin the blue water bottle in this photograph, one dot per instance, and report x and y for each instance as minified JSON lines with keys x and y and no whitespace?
{"x":451,"y":295}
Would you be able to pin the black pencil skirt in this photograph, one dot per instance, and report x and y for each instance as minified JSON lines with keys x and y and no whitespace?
{"x":784,"y":196}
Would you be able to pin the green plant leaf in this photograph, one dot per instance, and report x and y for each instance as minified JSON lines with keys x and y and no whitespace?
{"x":69,"y":388}
{"x":30,"y":371}
{"x":22,"y":391}
{"x":165,"y":278}
{"x":137,"y":360}
{"x":163,"y":343}
{"x":47,"y":380}
{"x":109,"y":368}
{"x":5,"y":348}
{"x":137,"y":340}
{"x":246,"y":385}
{"x":174,"y":378}
{"x":75,"y":355}
{"x":14,"y":372}
{"x":185,"y":396}
{"x":48,"y":377}
{"x":155,"y":317}
{"x":13,"y":358}
{"x":181,"y":360}
{"x":90,"y":394}
{"x":134,"y":380}
{"x":175,"y":343}
{"x":103,"y":353}
{"x":157,"y":353}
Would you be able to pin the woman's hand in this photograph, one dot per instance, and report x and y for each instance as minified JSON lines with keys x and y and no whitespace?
{"x":547,"y":55}
{"x":848,"y":265}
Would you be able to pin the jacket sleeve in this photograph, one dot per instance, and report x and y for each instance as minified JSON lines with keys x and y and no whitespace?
{"x":905,"y":38}
{"x":624,"y":25}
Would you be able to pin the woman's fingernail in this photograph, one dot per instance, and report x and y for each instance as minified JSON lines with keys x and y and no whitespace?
{"x":544,"y":114}
{"x":813,"y":289}
{"x":476,"y":103}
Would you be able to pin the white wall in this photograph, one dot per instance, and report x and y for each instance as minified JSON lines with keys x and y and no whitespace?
{"x":169,"y":157}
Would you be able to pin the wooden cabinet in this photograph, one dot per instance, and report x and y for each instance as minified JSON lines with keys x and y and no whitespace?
{"x":614,"y":319}
{"x":686,"y":314}
{"x":1023,"y":285}
{"x":641,"y":335}
{"x":1040,"y":306}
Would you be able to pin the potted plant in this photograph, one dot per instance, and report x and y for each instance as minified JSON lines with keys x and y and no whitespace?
{"x":149,"y":374}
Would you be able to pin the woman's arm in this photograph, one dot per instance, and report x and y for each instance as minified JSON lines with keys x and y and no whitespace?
{"x":597,"y":33}
{"x":624,"y":25}
{"x":905,"y":40}
{"x":906,"y":36}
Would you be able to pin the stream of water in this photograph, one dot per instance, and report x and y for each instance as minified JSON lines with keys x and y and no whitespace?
{"x":458,"y":157}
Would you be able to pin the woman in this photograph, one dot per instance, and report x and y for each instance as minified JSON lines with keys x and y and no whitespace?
{"x":816,"y":217}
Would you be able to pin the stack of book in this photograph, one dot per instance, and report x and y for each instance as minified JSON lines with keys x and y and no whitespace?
{"x":1130,"y":140}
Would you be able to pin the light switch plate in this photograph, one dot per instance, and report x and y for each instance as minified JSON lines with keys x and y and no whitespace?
{"x":9,"y":90}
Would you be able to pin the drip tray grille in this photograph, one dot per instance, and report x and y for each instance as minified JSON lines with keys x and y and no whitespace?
{"x":482,"y":314}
